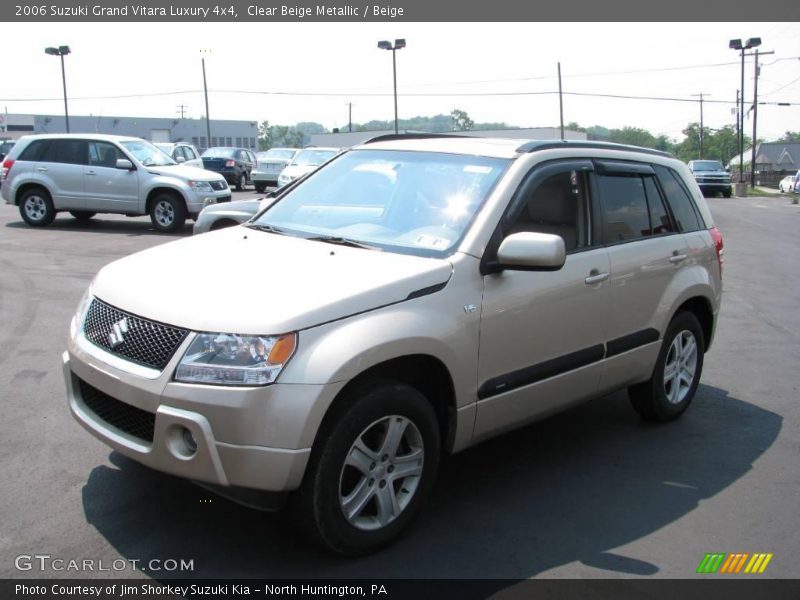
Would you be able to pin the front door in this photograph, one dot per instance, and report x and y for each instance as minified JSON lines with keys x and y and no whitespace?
{"x":543,"y":332}
{"x":109,"y":189}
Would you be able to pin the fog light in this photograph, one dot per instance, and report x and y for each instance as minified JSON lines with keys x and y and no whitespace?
{"x":188,"y":439}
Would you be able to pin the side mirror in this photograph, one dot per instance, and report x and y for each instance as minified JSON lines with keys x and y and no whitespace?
{"x":529,"y":250}
{"x":180,"y":159}
{"x":124,"y":163}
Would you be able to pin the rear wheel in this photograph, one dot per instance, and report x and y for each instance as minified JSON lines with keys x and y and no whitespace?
{"x":82,"y":215}
{"x":242,"y":182}
{"x":36,"y":207}
{"x":167,"y":212}
{"x":260,"y":188}
{"x":374,"y":466}
{"x":677,"y":373}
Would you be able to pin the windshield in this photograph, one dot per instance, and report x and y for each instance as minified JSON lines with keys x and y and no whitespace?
{"x":219,"y":153}
{"x":707,"y":165}
{"x":283,"y":153}
{"x":147,"y":154}
{"x":312,"y":157}
{"x":411,"y":202}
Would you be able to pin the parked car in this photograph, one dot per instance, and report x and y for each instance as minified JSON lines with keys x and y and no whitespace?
{"x":5,"y":147}
{"x":269,"y":166}
{"x":89,"y":174}
{"x":182,"y":153}
{"x":797,"y":182}
{"x":410,"y":298}
{"x":304,"y":162}
{"x":712,"y":177}
{"x":234,"y":164}
{"x":786,"y":184}
{"x":219,"y":216}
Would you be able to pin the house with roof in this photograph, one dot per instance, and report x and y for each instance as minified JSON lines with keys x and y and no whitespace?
{"x":774,"y":161}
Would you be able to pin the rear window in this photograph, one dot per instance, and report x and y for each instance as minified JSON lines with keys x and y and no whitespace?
{"x":679,"y":200}
{"x":219,"y":153}
{"x":34,"y":150}
{"x":73,"y":152}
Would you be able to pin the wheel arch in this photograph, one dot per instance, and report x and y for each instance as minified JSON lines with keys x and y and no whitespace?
{"x":29,"y":186}
{"x":151,"y":196}
{"x":700,"y":307}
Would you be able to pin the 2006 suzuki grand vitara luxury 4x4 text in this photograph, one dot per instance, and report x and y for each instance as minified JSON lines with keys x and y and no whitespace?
{"x":414,"y":296}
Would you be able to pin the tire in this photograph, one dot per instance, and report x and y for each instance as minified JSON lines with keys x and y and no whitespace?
{"x":167,"y":213}
{"x":241,"y":182}
{"x":357,"y":431}
{"x":260,"y":188}
{"x":662,"y":399}
{"x":36,"y":207}
{"x":82,"y":215}
{"x":726,"y":193}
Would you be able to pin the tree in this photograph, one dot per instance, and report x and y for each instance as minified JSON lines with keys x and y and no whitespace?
{"x":264,"y":136}
{"x":790,"y":137}
{"x":461,"y":120}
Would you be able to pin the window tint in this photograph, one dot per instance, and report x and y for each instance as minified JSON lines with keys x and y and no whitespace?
{"x":102,"y":154}
{"x":66,"y":151}
{"x":190,"y":152}
{"x":557,"y":206}
{"x":679,"y":200}
{"x":624,"y":208}
{"x":659,"y":218}
{"x":179,"y":152}
{"x":34,"y":150}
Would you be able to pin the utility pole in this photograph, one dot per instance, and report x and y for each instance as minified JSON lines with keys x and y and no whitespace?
{"x":702,"y":131}
{"x":560,"y":101}
{"x":350,"y":117}
{"x":182,"y":108}
{"x":738,"y":128}
{"x":756,"y":73}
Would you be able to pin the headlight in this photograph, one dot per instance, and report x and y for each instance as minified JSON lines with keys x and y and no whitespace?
{"x":200,"y":186}
{"x":230,"y":359}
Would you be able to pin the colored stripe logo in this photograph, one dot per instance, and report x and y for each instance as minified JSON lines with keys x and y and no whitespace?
{"x":734,"y":563}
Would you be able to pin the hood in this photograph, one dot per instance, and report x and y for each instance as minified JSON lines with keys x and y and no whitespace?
{"x":244,"y":281}
{"x":237,"y":206}
{"x":186,"y":172}
{"x":295,"y":171}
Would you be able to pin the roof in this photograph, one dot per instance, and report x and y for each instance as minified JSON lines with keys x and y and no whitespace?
{"x":83,"y":136}
{"x":493,"y":147}
{"x":781,"y":156}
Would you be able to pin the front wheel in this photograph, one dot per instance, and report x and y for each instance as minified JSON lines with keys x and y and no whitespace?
{"x":260,"y":188}
{"x":375,"y":465}
{"x":36,"y":207}
{"x":727,"y":193}
{"x":167,"y":213}
{"x":676,"y":375}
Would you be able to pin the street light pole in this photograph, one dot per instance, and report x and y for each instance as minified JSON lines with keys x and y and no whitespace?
{"x":62,"y":51}
{"x":738,"y":45}
{"x":702,"y":131}
{"x":399,"y":44}
{"x":205,"y":91}
{"x":755,"y":118}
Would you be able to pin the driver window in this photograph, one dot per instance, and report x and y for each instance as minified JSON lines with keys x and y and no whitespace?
{"x":557,"y":206}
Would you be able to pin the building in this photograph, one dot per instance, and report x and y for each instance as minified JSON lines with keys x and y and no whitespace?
{"x":774,"y":161}
{"x":223,"y":132}
{"x":346,"y":139}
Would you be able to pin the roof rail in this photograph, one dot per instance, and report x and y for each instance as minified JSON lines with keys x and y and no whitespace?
{"x":535,"y":146}
{"x":411,"y":136}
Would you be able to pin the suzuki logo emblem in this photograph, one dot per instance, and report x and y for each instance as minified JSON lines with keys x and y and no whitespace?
{"x":116,"y":337}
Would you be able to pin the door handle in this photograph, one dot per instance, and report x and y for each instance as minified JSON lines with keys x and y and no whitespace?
{"x":677,"y":257}
{"x":42,"y":169}
{"x":91,"y":172}
{"x":595,"y":276}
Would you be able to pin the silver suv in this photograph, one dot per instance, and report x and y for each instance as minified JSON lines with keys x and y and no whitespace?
{"x":89,"y":174}
{"x":411,"y":298}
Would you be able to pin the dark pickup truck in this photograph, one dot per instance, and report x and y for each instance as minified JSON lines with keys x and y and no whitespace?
{"x":711,"y":176}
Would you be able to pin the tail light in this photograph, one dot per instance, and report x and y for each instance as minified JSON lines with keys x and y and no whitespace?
{"x":230,"y":163}
{"x":7,"y":164}
{"x":719,"y":246}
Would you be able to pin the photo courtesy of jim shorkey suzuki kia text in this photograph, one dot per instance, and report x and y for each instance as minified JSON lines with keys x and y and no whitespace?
{"x":216,"y":590}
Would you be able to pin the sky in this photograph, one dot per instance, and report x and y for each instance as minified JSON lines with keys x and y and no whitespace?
{"x":291,"y":72}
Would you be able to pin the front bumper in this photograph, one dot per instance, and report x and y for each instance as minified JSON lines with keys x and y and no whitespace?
{"x":253,"y":438}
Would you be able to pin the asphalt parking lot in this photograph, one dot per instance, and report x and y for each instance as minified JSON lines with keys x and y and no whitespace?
{"x":593,"y":492}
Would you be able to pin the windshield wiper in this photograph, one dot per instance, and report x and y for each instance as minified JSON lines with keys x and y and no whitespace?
{"x":267,"y":228}
{"x":342,"y":241}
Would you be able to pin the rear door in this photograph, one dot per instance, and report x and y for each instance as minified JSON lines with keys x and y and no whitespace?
{"x":61,"y":168}
{"x":646,"y":253}
{"x":109,"y":189}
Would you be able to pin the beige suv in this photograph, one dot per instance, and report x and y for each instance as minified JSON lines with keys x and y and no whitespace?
{"x":413,"y":297}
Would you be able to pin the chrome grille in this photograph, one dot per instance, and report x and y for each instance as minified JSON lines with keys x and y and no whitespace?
{"x":139,"y":340}
{"x":130,"y":419}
